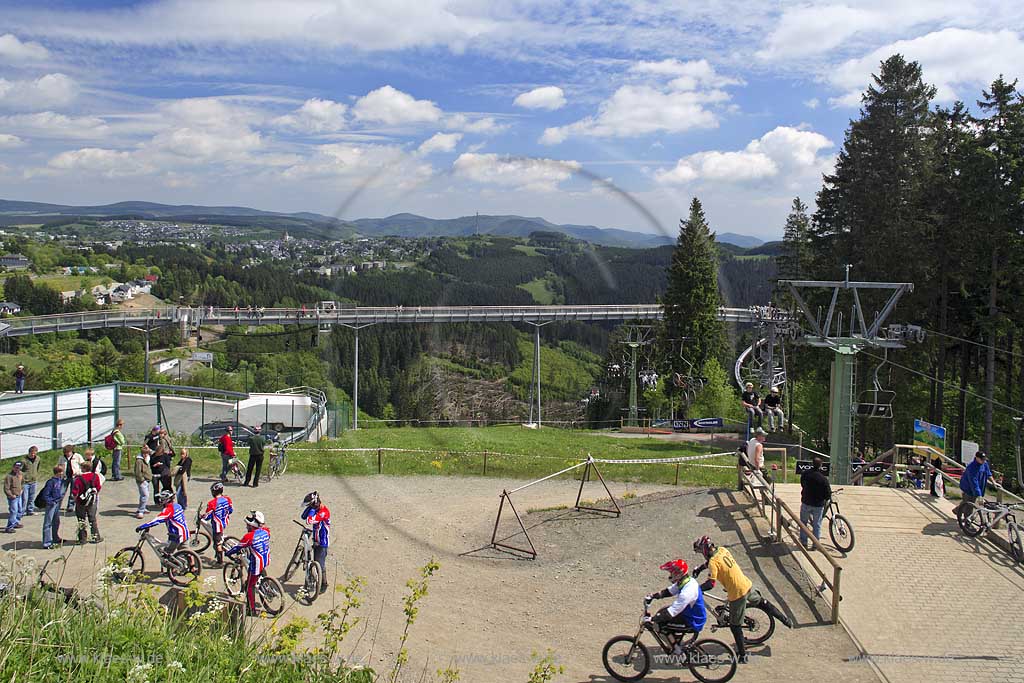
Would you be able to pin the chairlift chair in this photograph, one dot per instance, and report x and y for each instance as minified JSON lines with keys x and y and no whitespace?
{"x":876,"y":402}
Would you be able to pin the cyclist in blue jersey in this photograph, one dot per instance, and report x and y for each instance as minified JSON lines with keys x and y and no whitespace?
{"x":257,"y":542}
{"x":173,"y":515}
{"x":316,"y":513}
{"x":218,"y":512}
{"x":688,"y":606}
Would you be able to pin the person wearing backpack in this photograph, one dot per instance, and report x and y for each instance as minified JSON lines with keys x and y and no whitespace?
{"x":85,"y":491}
{"x":72,"y":468}
{"x":13,"y":487}
{"x":117,"y":444}
{"x":49,"y":498}
{"x":30,"y":471}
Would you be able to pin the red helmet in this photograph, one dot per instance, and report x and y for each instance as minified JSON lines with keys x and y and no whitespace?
{"x":676,"y":567}
{"x":705,"y":546}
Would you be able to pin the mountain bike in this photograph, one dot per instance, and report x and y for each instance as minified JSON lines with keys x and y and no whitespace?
{"x":709,"y":660}
{"x":236,"y":469}
{"x":839,"y":528}
{"x":201,"y":536}
{"x":303,"y":556}
{"x":182,"y":567}
{"x":278,"y":462}
{"x":984,"y":516}
{"x":269,"y":590}
{"x":758,"y":621}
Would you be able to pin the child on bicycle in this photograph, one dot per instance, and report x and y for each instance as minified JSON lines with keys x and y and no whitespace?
{"x":688,"y":607}
{"x":218,"y":512}
{"x":316,"y":513}
{"x":257,"y":542}
{"x":173,"y":516}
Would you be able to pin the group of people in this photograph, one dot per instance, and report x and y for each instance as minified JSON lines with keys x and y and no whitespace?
{"x":257,"y":449}
{"x":688,"y":606}
{"x":757,"y":408}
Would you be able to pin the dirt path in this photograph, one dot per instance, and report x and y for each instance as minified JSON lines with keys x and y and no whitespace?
{"x":487,"y":611}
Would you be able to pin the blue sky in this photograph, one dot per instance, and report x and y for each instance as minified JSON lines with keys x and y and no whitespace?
{"x":447,"y":107}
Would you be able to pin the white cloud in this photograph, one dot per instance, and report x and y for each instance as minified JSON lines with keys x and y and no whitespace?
{"x":104,"y":162}
{"x":782,"y":152}
{"x":812,"y":103}
{"x":14,"y":50}
{"x":440,"y":142}
{"x":952,"y":59}
{"x":8,"y":141}
{"x":45,"y":92}
{"x":51,"y":125}
{"x":537,"y":175}
{"x":549,"y":98}
{"x":484,"y":125}
{"x":394,"y":108}
{"x":315,"y":116}
{"x":686,"y":75}
{"x":384,"y":167}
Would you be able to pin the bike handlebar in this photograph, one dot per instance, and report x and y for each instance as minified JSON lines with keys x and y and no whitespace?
{"x":303,"y":525}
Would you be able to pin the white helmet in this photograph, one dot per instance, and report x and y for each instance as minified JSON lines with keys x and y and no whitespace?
{"x":255,"y":519}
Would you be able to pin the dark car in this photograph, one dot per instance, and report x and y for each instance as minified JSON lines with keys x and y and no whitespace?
{"x":212,"y":431}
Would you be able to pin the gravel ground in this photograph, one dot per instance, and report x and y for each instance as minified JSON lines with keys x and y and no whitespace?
{"x":489,"y":611}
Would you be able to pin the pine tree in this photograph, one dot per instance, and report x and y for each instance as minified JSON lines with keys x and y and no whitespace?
{"x":691,"y":301}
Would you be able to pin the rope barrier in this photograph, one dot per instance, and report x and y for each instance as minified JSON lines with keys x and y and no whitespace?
{"x":669,"y":461}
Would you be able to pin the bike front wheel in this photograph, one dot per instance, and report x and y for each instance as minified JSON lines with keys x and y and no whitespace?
{"x":234,"y":578}
{"x":1016,"y":549}
{"x":128,"y":563}
{"x":758,"y":625}
{"x":271,"y":594}
{"x":200,"y":541}
{"x":311,"y":586}
{"x":238,"y":472}
{"x":184,"y":567}
{"x":972,"y":522}
{"x":711,"y":661}
{"x":626,"y":658}
{"x":841,"y":531}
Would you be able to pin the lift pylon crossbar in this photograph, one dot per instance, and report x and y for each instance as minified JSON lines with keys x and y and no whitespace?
{"x":591,"y":464}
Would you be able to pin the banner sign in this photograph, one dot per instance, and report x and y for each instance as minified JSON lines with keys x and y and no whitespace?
{"x":680,"y":425}
{"x":203,"y":356}
{"x":707,"y":423}
{"x":872,"y":470}
{"x":926,"y":434}
{"x":808,"y":465}
{"x":968,"y":449}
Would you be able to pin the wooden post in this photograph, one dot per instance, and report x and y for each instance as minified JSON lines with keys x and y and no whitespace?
{"x":836,"y":595}
{"x":677,"y":475}
{"x":485,"y":463}
{"x":380,"y":463}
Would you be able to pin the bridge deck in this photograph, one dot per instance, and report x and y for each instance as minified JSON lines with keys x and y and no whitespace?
{"x":925,"y":602}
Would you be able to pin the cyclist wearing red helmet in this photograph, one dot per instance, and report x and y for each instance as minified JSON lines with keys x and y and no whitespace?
{"x":688,"y":606}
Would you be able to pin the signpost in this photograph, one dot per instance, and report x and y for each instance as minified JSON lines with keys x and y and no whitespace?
{"x":202,"y":356}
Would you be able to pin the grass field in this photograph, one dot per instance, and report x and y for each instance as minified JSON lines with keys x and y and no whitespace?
{"x":64,"y":283}
{"x":538,"y":289}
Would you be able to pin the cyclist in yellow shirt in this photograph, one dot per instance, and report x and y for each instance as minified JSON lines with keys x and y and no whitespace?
{"x":739,"y":589}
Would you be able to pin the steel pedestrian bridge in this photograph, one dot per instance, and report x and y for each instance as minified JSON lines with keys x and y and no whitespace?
{"x":148,"y":318}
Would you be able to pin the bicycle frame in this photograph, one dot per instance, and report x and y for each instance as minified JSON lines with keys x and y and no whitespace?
{"x":158,"y":549}
{"x":832,"y":509}
{"x":994,"y":515}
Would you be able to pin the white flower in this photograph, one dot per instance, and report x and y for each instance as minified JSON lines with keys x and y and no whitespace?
{"x":175,"y":665}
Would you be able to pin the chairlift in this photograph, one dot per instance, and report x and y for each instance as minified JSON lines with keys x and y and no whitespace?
{"x":876,"y":402}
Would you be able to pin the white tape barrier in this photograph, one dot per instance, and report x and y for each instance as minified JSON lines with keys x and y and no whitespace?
{"x":668,"y":461}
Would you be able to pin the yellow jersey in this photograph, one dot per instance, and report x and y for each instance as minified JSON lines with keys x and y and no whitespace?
{"x":723,"y":568}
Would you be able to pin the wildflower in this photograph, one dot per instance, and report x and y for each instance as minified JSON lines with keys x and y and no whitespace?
{"x":175,"y":665}
{"x":139,"y":673}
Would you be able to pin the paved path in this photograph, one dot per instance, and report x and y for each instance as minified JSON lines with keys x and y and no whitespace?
{"x":924,"y":602}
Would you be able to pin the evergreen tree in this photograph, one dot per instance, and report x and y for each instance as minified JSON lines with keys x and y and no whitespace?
{"x":795,"y":257}
{"x":691,"y":301}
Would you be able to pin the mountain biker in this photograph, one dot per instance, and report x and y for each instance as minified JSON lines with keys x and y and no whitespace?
{"x":317,"y":514}
{"x":173,"y":515}
{"x":257,"y":542}
{"x":740,"y":590}
{"x":218,"y":512}
{"x":688,"y":606}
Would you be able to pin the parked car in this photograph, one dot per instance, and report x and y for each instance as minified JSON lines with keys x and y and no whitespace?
{"x":212,"y":431}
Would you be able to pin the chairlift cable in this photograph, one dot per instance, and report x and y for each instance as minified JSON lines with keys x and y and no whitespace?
{"x":975,"y":343}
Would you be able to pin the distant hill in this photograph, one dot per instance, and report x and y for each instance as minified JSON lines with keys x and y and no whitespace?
{"x":745,"y":241}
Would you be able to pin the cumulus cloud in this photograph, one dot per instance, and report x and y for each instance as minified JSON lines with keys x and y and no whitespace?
{"x":394,"y":108}
{"x":537,"y":175}
{"x":8,"y":141}
{"x":108,"y":163}
{"x":12,"y":49}
{"x":952,"y":59}
{"x":549,"y":98}
{"x":483,"y":125}
{"x":440,"y":142}
{"x":51,"y":125}
{"x":49,"y":91}
{"x":688,"y":100}
{"x":779,"y":152}
{"x":315,"y":116}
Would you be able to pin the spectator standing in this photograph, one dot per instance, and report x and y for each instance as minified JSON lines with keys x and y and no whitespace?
{"x":86,"y":492}
{"x":226,"y":446}
{"x":755,"y":451}
{"x":72,"y":462}
{"x":52,"y":494}
{"x":120,"y":449}
{"x":13,"y":487}
{"x":182,"y":474}
{"x":257,"y":447}
{"x":160,"y":461}
{"x":153,"y":439}
{"x":143,"y":479}
{"x":30,"y":472}
{"x":814,"y":494}
{"x":19,"y":379}
{"x":165,"y":441}
{"x":772,"y":406}
{"x":977,"y":475}
{"x":752,"y":404}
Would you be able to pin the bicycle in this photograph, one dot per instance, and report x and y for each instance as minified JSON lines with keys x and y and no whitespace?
{"x":268,"y":589}
{"x":278,"y":462}
{"x":201,"y":537}
{"x":985,"y":516}
{"x":182,"y":567}
{"x":303,"y":556}
{"x":236,"y":469}
{"x":708,"y":659}
{"x":839,"y":528}
{"x":758,"y":623}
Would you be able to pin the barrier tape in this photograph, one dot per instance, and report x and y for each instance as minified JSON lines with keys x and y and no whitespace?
{"x":669,"y":461}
